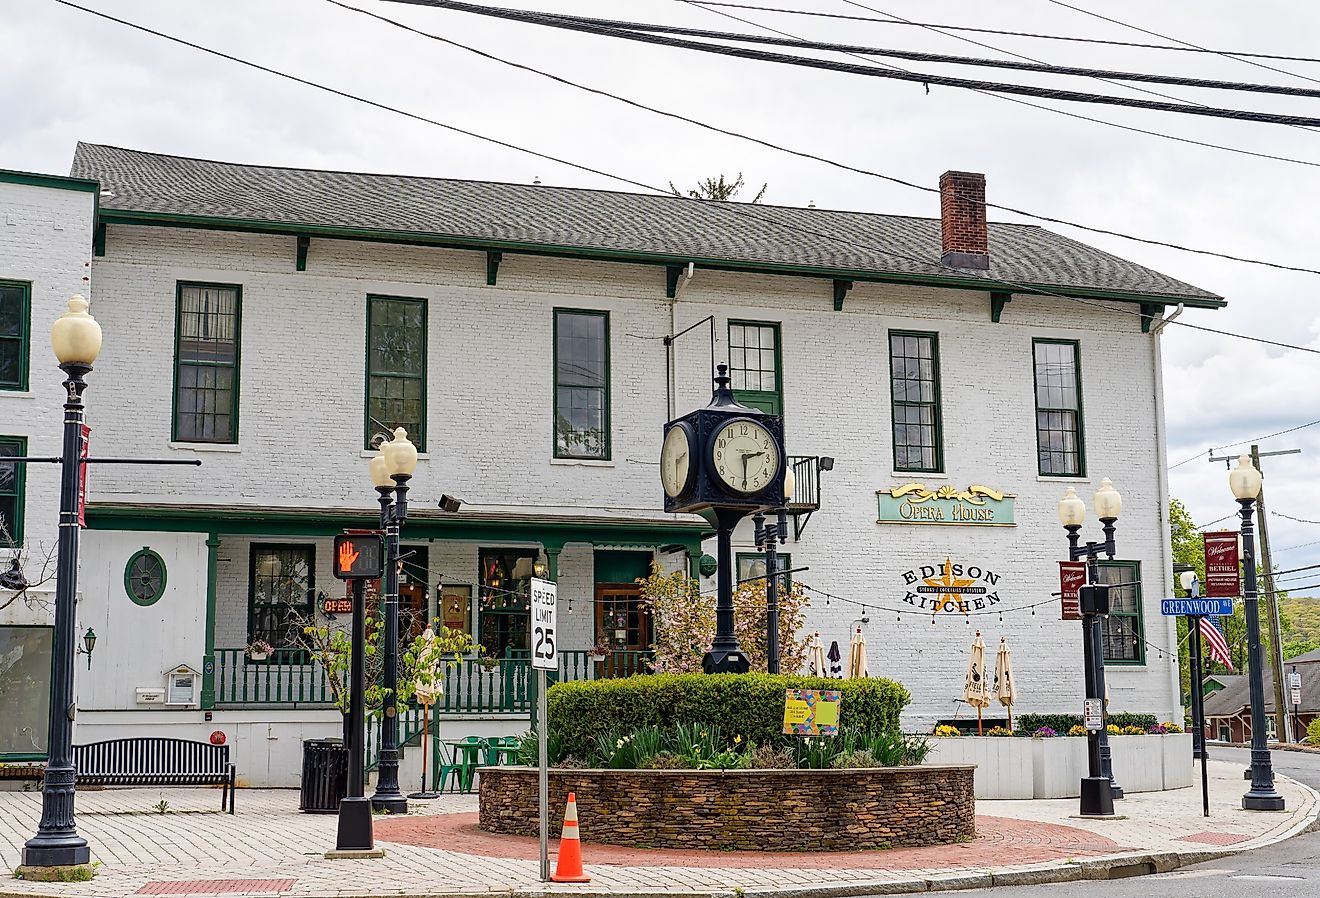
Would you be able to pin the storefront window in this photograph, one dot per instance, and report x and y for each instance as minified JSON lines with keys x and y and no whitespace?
{"x":506,"y":576}
{"x":25,"y":667}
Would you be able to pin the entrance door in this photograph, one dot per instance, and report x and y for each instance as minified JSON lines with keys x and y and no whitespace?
{"x":624,"y":627}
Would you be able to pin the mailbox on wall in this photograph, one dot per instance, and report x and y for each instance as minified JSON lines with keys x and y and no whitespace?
{"x":182,"y":686}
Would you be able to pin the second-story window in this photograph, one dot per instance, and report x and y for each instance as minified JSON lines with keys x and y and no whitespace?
{"x":12,"y":477}
{"x":1059,"y":408}
{"x":914,"y":372}
{"x":754,"y":368}
{"x":15,"y":302}
{"x":206,"y":363}
{"x":582,"y":384}
{"x":396,"y":367}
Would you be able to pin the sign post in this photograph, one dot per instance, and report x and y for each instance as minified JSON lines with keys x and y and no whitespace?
{"x":1295,"y":687}
{"x":545,"y":658}
{"x":358,"y":557}
{"x":1193,"y":607}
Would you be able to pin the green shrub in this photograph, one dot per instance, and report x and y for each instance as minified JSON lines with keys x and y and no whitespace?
{"x":747,"y":706}
{"x":1313,"y":732}
{"x":1063,"y":723}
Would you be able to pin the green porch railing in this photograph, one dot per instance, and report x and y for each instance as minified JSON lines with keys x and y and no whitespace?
{"x":471,"y":686}
{"x":287,"y":677}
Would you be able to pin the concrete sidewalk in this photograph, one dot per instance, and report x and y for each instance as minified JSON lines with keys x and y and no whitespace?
{"x":271,"y":849}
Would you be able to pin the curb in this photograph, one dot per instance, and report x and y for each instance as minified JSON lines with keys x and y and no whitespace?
{"x":1118,"y":866}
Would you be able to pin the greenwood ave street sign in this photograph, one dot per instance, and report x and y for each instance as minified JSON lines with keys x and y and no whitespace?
{"x":1197,"y":607}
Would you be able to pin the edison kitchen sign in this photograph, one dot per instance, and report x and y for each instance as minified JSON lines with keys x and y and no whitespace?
{"x":951,"y":586}
{"x":913,"y":503}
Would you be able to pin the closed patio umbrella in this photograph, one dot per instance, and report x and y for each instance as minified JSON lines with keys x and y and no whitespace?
{"x":857,"y":656}
{"x":975,"y":692}
{"x":1005,"y":683}
{"x":816,"y":657}
{"x":835,"y":656}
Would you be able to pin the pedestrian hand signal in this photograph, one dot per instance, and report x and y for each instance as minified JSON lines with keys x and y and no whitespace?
{"x":358,"y":556}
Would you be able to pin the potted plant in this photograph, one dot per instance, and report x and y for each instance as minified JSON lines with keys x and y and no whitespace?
{"x":258,"y":650}
{"x":599,"y":650}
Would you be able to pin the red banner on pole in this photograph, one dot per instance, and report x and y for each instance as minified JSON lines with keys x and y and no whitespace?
{"x":1221,"y":565}
{"x":82,"y":476}
{"x":1072,"y":577}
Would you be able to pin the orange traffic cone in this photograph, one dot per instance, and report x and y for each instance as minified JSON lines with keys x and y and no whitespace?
{"x":568,"y":865}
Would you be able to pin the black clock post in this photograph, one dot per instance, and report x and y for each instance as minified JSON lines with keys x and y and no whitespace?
{"x":724,"y":462}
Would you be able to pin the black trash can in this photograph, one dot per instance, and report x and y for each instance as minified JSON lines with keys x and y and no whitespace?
{"x":324,"y":776}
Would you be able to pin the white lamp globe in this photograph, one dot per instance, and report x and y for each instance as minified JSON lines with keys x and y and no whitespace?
{"x":1244,"y":480}
{"x":1072,"y":510}
{"x":400,"y":454}
{"x":790,"y":484}
{"x":380,"y":470}
{"x":1108,"y":502}
{"x":1187,"y":579}
{"x":75,"y":336}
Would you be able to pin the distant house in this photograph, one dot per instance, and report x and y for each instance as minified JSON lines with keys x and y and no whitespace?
{"x":1216,"y":682}
{"x":1228,"y":708}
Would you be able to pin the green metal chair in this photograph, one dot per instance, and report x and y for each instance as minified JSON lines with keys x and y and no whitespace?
{"x":468,"y":753}
{"x":503,"y":750}
{"x":442,"y":770}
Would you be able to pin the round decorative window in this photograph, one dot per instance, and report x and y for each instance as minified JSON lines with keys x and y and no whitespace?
{"x":144,"y":577}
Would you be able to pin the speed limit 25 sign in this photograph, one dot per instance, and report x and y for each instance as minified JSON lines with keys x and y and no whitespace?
{"x":544,"y":601}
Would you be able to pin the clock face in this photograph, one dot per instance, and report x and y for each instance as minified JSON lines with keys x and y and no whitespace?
{"x":676,"y":461}
{"x":744,"y":456}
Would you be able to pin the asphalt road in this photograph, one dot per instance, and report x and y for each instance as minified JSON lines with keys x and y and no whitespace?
{"x":1291,"y":868}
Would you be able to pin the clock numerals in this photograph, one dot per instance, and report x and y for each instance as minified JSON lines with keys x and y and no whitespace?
{"x":745,"y":456}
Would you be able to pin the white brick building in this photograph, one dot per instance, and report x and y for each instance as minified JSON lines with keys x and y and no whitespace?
{"x":45,"y":257}
{"x":252,"y":314}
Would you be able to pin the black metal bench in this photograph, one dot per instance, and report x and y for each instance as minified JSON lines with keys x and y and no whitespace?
{"x":154,"y":761}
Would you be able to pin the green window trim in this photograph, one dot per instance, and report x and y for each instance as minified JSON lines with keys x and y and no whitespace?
{"x":376,"y":304}
{"x":180,"y":364}
{"x":18,"y":491}
{"x":1123,"y":632}
{"x":137,"y":583}
{"x":740,"y":371}
{"x":562,"y":426}
{"x":1047,"y":465}
{"x":931,"y":408}
{"x":744,"y":562}
{"x":18,"y":340}
{"x":305,"y":607}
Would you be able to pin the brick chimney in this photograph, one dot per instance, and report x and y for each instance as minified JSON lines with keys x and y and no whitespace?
{"x":963,"y":236}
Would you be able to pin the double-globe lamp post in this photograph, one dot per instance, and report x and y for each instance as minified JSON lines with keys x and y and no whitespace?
{"x":76,"y":339}
{"x":1098,"y":788}
{"x":1245,"y":482}
{"x":391,"y":470}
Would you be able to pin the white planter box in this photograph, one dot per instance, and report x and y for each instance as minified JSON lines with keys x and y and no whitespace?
{"x":1018,"y":768}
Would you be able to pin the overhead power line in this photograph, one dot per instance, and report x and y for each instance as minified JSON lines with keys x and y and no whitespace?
{"x":1189,"y":48}
{"x":947,"y":59}
{"x":631,"y":31}
{"x":1267,"y":436}
{"x":802,"y":153}
{"x":1040,"y":106}
{"x":1129,"y":25}
{"x":733,"y":209}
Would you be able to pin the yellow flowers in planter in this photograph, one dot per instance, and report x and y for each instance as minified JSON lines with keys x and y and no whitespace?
{"x":946,"y":730}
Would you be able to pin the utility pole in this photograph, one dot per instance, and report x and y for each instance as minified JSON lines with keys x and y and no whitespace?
{"x":1282,"y":723}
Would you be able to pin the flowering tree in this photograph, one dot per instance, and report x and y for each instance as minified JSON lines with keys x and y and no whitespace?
{"x":684,"y":621}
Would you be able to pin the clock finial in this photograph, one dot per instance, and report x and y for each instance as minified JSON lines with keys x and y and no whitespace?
{"x":723,"y":397}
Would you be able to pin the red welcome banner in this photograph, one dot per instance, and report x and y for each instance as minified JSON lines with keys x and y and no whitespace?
{"x":82,"y":475}
{"x":1072,"y":577}
{"x":1221,"y":565}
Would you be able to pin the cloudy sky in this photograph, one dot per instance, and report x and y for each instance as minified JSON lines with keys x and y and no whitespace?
{"x":66,"y":75}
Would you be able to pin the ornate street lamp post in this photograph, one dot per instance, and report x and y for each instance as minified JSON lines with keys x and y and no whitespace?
{"x":1245,"y":481}
{"x":768,"y":537}
{"x":390,"y":472}
{"x":76,"y":339}
{"x":1098,"y":788}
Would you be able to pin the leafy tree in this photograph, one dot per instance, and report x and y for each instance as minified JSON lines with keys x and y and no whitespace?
{"x":717,"y":188}
{"x":685,"y":622}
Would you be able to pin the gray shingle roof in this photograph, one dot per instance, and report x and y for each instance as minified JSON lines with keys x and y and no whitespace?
{"x":599,"y":221}
{"x":1237,"y":695}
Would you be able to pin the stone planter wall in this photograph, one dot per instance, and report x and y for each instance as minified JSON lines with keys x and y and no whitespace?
{"x":1015,"y":767}
{"x":753,"y":810}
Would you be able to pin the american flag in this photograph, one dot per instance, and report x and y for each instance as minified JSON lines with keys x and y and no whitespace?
{"x":1215,"y":642}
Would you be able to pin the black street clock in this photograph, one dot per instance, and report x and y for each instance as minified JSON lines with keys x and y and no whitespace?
{"x":725,"y":455}
{"x":723,"y":462}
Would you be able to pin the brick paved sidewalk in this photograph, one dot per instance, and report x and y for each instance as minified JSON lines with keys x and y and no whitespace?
{"x":270,"y":849}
